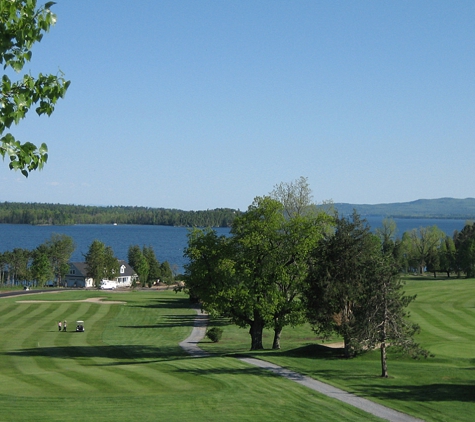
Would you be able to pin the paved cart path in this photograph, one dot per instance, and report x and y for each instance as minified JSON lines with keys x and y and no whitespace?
{"x":199,"y":330}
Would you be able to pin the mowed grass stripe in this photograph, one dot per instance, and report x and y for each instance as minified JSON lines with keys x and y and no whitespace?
{"x":140,"y":373}
{"x":17,"y":317}
{"x":26,"y":343}
{"x":87,"y":351}
{"x":15,"y":337}
{"x":452,"y":316}
{"x":441,"y":323}
{"x":56,"y":359}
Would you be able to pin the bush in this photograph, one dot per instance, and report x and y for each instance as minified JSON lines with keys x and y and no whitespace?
{"x":214,"y":334}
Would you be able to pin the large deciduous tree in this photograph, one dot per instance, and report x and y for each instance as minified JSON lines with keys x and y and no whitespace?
{"x":22,"y":24}
{"x":41,"y":269}
{"x":254,"y":276}
{"x":422,"y":245}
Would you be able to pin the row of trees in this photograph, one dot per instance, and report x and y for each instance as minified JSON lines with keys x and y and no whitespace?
{"x":59,"y":214}
{"x":430,"y":249}
{"x":285,"y":263}
{"x":49,"y":261}
{"x":101,"y":264}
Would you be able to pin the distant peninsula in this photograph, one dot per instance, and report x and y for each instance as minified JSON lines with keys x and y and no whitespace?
{"x":62,"y":214}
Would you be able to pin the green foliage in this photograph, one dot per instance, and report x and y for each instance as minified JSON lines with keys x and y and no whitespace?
{"x":154,"y":269}
{"x":58,"y":214}
{"x":101,"y":263}
{"x":335,"y":286}
{"x":22,"y":24}
{"x":59,"y":250}
{"x":166,"y":273}
{"x":254,"y":276}
{"x":49,"y":260}
{"x":41,"y":269}
{"x":139,"y":263}
{"x":421,"y":247}
{"x":465,"y":245}
{"x":214,"y":334}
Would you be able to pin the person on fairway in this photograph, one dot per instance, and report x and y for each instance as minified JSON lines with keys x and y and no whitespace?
{"x":59,"y":326}
{"x":64,"y":325}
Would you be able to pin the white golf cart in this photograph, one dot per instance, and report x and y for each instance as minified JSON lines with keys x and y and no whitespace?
{"x":80,"y":326}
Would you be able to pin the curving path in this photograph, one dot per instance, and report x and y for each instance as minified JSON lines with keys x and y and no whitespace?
{"x":197,"y":334}
{"x":199,"y":331}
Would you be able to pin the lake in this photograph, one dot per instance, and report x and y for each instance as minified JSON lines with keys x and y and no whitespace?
{"x":167,"y":242}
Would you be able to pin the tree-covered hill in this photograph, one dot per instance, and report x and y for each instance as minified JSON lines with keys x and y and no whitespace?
{"x":421,"y":208}
{"x":60,"y":214}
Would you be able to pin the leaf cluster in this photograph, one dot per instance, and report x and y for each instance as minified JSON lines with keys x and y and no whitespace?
{"x":22,"y":24}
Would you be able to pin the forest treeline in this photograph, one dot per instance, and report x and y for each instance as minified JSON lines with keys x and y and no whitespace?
{"x":61,"y":214}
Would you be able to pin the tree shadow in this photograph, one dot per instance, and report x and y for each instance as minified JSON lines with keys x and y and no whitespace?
{"x":250,"y":370}
{"x":133,"y":353}
{"x":165,"y":303}
{"x":311,"y":351}
{"x":170,"y":321}
{"x":424,"y":393}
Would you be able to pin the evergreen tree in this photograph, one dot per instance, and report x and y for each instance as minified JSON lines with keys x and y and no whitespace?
{"x":154,"y":271}
{"x":380,"y":320}
{"x":139,"y":263}
{"x":335,"y":285}
{"x":101,"y":263}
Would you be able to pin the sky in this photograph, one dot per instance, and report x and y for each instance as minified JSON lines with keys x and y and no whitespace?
{"x":198,"y":105}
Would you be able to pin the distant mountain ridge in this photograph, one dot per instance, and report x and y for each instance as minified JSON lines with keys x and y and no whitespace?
{"x":450,"y":208}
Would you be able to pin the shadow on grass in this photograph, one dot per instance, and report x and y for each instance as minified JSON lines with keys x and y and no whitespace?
{"x":166,"y":303}
{"x":170,"y":321}
{"x":311,"y":351}
{"x":424,"y":393}
{"x":130,"y":352}
{"x":251,"y":370}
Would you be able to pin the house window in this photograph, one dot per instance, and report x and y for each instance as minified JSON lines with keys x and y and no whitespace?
{"x":71,"y":271}
{"x":122,"y":269}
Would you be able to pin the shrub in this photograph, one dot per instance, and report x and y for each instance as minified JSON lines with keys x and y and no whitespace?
{"x":214,"y":334}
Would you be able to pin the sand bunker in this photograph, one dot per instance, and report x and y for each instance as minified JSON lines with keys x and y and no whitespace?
{"x":99,"y":300}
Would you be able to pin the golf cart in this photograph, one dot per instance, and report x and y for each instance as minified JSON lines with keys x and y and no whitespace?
{"x":80,"y":326}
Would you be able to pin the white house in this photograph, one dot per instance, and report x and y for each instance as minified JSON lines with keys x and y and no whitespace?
{"x":77,"y":276}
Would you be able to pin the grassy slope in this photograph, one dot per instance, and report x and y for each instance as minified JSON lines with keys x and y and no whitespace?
{"x":437,"y":389}
{"x":128,"y":366}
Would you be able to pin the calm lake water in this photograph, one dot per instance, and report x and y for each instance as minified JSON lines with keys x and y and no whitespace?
{"x":167,"y":242}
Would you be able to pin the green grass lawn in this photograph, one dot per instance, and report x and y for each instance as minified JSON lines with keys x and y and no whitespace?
{"x":437,"y":389}
{"x":127,"y":366}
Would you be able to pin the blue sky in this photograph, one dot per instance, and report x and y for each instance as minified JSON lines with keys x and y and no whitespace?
{"x":207,"y":104}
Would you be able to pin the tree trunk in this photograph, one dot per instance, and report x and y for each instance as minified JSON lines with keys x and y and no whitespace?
{"x":347,"y":349}
{"x":384,"y":363}
{"x":257,"y":326}
{"x":277,"y":333}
